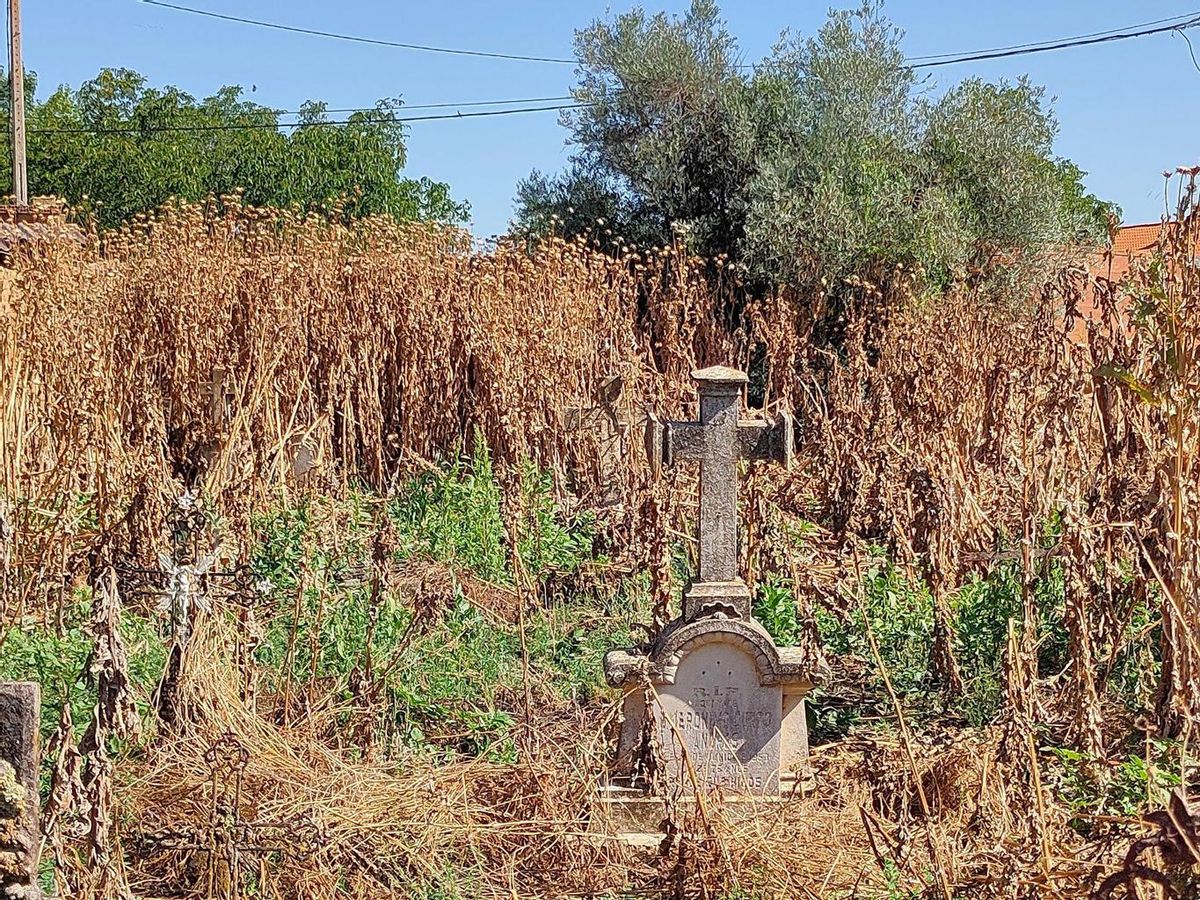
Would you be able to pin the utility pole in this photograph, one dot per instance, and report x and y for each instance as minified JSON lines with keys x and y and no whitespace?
{"x":16,"y":86}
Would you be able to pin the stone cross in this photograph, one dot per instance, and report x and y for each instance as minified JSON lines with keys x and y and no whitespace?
{"x":712,"y":702}
{"x":20,"y":805}
{"x":717,"y":442}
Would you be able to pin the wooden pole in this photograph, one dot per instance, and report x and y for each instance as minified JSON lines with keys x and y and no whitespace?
{"x":16,"y":84}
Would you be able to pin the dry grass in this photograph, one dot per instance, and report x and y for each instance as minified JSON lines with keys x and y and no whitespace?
{"x":204,"y":350}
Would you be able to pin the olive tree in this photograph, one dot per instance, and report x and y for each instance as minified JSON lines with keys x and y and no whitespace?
{"x":827,"y":158}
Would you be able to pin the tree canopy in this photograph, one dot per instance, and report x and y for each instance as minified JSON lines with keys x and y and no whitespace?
{"x":116,"y":147}
{"x":827,"y":157}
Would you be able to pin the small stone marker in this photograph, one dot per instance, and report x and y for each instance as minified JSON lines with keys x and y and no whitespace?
{"x":20,"y":805}
{"x":727,"y":704}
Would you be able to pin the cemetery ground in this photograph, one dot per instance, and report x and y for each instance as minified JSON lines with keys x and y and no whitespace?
{"x":315,"y":538}
{"x":418,"y":658}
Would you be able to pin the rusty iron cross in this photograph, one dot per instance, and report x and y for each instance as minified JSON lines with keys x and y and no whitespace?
{"x":226,"y":837}
{"x":717,"y":442}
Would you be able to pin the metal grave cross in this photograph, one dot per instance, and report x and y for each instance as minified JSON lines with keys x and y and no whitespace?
{"x":717,"y":442}
{"x":226,"y":838}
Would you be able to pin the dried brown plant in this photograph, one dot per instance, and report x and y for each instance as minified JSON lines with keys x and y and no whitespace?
{"x":241,"y":353}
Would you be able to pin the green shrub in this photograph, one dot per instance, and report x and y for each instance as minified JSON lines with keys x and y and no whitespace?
{"x":450,"y":684}
{"x":900,"y":613}
{"x":775,"y":609}
{"x":56,"y":660}
{"x":1130,"y":787}
{"x":278,"y":556}
{"x":549,"y":540}
{"x":453,"y":516}
{"x":983,"y":608}
{"x":901,"y":619}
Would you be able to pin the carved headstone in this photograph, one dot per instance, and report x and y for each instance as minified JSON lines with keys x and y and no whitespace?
{"x":726,"y":705}
{"x":20,"y":711}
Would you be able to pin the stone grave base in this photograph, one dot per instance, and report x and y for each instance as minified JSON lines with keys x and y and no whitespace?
{"x":726,"y":706}
{"x":631,"y":816}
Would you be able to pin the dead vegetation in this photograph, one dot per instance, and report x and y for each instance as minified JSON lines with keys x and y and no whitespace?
{"x":241,"y":355}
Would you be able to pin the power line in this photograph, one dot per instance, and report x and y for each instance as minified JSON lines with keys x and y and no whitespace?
{"x":358,"y":39}
{"x":1177,"y":24}
{"x":252,"y":126}
{"x":1081,"y":41}
{"x":1110,"y":31}
{"x":1144,"y":29}
{"x":407,"y":106}
{"x":1191,"y":49}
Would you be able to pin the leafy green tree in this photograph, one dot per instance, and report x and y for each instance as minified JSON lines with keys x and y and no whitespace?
{"x":575,"y":201}
{"x":828,"y":158}
{"x":116,"y":147}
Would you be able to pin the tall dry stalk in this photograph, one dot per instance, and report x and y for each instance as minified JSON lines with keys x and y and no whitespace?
{"x":1166,"y":312}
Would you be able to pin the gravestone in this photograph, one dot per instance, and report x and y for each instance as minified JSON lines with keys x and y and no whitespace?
{"x":716,"y":702}
{"x":606,"y":419}
{"x":20,"y":711}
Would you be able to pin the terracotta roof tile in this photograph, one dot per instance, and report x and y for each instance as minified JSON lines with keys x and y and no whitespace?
{"x":1136,"y":238}
{"x":1130,"y":242}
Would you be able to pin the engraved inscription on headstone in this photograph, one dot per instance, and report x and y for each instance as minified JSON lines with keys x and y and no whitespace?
{"x":727,"y":706}
{"x":727,"y":721}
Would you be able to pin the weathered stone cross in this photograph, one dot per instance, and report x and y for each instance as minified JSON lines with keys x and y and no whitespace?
{"x":712,"y":700}
{"x":717,"y":442}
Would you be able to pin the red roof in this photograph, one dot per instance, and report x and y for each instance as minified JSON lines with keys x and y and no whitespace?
{"x":1129,"y":242}
{"x":1136,"y":239}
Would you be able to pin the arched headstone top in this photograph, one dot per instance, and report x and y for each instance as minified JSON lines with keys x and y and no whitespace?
{"x":773,"y":665}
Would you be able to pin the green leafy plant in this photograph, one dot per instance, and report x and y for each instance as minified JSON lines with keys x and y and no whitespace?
{"x":900,"y":613}
{"x":56,"y":659}
{"x":453,"y":515}
{"x":549,"y":540}
{"x":1132,"y":786}
{"x":449,"y":683}
{"x":983,"y":609}
{"x":775,"y":609}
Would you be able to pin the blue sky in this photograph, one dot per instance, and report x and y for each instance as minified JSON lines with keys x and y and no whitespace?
{"x":1123,"y":107}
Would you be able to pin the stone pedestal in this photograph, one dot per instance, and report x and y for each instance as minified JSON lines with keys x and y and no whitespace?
{"x":20,"y":805}
{"x":728,"y":598}
{"x":726,"y":707}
